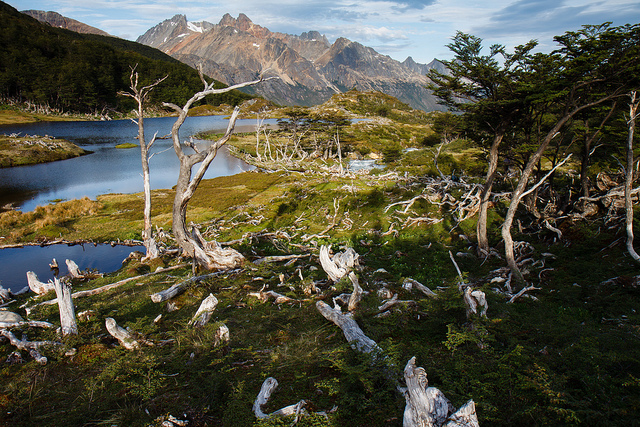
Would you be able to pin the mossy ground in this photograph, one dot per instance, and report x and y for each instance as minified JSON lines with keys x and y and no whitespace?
{"x":570,"y":357}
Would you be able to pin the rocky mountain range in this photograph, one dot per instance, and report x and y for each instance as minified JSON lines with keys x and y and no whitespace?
{"x":309,"y":68}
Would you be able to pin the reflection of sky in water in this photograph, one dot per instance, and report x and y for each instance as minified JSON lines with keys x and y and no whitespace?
{"x":107,"y":169}
{"x":14,"y":263}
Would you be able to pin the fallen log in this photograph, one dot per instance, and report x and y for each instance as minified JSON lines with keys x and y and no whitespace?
{"x":278,"y":258}
{"x":352,"y":332}
{"x":66,"y":309}
{"x":264,"y":296}
{"x":123,"y":336}
{"x":109,"y":286}
{"x":204,"y":312}
{"x":409,"y":283}
{"x":31,"y":323}
{"x":179,"y":288}
{"x":268,"y":386}
{"x":428,"y":406}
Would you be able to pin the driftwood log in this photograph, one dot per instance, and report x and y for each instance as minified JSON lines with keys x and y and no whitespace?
{"x":33,"y":347}
{"x":74,"y":270}
{"x":352,"y":332}
{"x":409,"y":284}
{"x":264,"y":296}
{"x":109,"y":286}
{"x":205,"y":311}
{"x":123,"y":336}
{"x":21,"y":323}
{"x":428,"y":407}
{"x":65,"y":306}
{"x":268,"y":386}
{"x":179,"y":288}
{"x":340,"y":264}
{"x":37,"y":286}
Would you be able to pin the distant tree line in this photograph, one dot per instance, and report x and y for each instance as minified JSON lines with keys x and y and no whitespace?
{"x":83,"y":73}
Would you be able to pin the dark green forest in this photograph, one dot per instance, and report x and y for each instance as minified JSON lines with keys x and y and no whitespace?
{"x":83,"y":73}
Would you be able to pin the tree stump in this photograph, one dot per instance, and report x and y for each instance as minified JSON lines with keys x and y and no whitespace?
{"x":204,"y":312}
{"x":65,"y":306}
{"x":428,"y":407}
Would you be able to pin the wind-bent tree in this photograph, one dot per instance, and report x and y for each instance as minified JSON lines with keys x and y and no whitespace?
{"x":190,"y":155}
{"x":591,"y":67}
{"x":634,"y":103}
{"x":486,"y":92}
{"x":141,"y":96}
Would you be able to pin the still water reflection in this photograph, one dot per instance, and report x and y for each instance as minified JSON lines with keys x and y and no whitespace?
{"x":107,"y":169}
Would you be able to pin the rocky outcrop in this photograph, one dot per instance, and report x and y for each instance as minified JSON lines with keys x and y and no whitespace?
{"x":309,"y":69}
{"x":56,"y":20}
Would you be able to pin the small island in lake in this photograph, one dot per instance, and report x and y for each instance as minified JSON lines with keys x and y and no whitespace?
{"x":28,"y":150}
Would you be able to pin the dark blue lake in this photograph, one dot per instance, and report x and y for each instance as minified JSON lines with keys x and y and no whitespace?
{"x":106,"y":170}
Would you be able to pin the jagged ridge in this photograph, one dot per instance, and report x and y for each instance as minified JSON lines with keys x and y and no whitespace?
{"x":309,"y":69}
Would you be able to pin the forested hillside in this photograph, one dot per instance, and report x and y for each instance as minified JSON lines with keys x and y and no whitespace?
{"x":76,"y":72}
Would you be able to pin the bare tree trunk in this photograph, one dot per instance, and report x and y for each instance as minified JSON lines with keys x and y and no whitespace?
{"x":188,"y":182}
{"x":481,"y":228}
{"x":140,"y":95}
{"x":628,"y":203}
{"x":65,"y":306}
{"x":517,"y":194}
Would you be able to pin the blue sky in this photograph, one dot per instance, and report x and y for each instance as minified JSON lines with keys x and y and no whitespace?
{"x":398,"y":28}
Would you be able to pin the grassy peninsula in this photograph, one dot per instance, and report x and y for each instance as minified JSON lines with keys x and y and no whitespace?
{"x":29,"y":150}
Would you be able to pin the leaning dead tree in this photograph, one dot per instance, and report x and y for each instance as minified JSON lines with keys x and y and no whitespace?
{"x":190,"y":175}
{"x":141,"y":95}
{"x":428,"y":406}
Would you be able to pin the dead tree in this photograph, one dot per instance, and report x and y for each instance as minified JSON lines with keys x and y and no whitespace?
{"x":65,"y":306}
{"x":628,"y":204}
{"x":141,"y":95}
{"x":123,"y":336}
{"x":268,"y":386}
{"x":352,"y":332}
{"x":188,"y":181}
